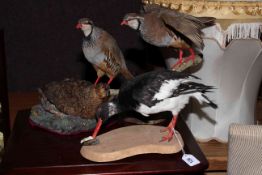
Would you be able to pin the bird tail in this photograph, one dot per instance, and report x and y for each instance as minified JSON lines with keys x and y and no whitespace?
{"x":204,"y":98}
{"x":126,"y":73}
{"x":198,"y":90}
{"x":207,"y":21}
{"x":209,"y":102}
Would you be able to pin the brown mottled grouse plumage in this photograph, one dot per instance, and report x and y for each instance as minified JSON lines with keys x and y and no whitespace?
{"x":75,"y":97}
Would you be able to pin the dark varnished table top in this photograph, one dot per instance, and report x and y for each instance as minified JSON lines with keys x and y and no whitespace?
{"x":35,"y":151}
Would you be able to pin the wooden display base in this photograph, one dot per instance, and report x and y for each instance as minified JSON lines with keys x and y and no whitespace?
{"x":41,"y":152}
{"x":129,"y":141}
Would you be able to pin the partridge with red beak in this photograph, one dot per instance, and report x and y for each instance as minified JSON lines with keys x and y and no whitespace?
{"x":102,"y":51}
{"x":164,"y":27}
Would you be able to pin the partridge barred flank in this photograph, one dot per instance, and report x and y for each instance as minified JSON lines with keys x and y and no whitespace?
{"x":102,"y":51}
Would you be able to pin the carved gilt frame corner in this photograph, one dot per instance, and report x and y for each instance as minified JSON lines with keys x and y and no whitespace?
{"x":215,"y":8}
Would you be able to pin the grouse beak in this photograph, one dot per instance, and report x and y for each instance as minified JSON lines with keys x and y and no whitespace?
{"x":124,"y":22}
{"x":79,"y":26}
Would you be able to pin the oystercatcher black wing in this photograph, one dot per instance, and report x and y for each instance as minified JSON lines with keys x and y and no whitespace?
{"x":146,"y":88}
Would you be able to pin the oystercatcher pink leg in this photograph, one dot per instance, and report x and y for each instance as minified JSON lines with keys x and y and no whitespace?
{"x":169,"y":128}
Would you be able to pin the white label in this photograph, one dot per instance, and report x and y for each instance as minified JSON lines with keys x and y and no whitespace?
{"x":190,"y":159}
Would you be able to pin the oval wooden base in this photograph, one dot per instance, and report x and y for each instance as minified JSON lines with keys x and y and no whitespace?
{"x":129,"y":141}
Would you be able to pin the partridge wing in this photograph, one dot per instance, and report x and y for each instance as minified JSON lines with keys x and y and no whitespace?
{"x":187,"y":25}
{"x":113,"y":56}
{"x":150,"y":8}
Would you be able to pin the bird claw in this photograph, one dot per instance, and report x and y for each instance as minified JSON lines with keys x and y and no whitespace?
{"x":184,"y":65}
{"x":191,"y":57}
{"x":89,"y":141}
{"x":166,"y":138}
{"x":177,"y":64}
{"x":169,"y":136}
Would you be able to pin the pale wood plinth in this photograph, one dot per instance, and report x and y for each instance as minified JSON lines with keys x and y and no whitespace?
{"x":129,"y":141}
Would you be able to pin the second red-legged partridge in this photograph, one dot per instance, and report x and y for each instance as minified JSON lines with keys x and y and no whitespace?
{"x":164,"y":27}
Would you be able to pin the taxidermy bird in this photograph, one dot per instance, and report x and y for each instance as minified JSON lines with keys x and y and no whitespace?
{"x":163,"y":27}
{"x":73,"y":97}
{"x":102,"y":51}
{"x":154,"y":92}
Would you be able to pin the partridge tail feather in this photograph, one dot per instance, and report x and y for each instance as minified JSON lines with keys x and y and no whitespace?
{"x":207,"y":21}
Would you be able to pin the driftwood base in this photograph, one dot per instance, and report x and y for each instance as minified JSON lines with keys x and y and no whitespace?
{"x":129,"y":141}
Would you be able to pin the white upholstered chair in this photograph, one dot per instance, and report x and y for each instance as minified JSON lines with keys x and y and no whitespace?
{"x":245,"y":150}
{"x":232,"y":63}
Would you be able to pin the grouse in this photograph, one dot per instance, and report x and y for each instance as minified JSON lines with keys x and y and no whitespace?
{"x":73,"y":97}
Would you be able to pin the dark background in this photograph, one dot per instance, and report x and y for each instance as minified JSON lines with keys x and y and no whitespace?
{"x":43,"y":45}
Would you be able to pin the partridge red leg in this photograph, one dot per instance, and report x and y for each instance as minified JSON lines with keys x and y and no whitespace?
{"x":169,"y":128}
{"x":192,"y":56}
{"x":97,"y":80}
{"x":110,"y":80}
{"x":180,"y":59}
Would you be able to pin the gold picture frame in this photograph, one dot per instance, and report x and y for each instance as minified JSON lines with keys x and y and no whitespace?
{"x":218,"y":9}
